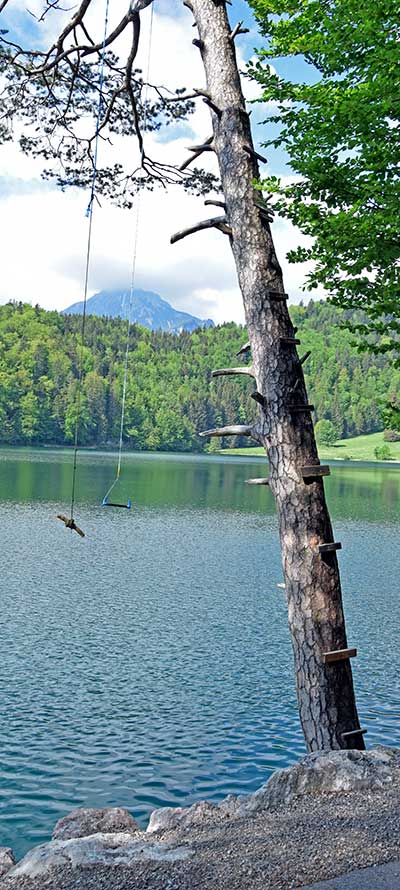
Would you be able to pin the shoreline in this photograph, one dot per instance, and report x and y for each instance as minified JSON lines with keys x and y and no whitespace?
{"x":230,"y":453}
{"x":329,"y":814}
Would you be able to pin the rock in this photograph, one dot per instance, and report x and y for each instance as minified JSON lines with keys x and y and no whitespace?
{"x":169,"y":818}
{"x":325,"y":772}
{"x":97,"y":849}
{"x":7,"y":860}
{"x":83,"y":822}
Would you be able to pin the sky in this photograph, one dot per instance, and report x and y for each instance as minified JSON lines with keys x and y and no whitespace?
{"x":44,"y":230}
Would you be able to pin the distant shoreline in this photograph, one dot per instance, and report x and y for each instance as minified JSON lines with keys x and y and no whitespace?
{"x":253,"y":454}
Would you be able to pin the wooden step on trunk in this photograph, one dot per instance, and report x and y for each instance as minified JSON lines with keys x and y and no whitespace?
{"x":330,"y":548}
{"x":339,"y":655}
{"x":313,"y":472}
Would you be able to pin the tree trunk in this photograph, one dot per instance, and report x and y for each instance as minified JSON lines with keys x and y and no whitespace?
{"x":325,"y":690}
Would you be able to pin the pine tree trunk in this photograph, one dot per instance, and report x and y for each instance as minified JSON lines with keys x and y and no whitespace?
{"x":316,"y":620}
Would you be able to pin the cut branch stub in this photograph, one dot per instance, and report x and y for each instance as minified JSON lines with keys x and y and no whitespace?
{"x":205,"y":146}
{"x":244,"y":349}
{"x":197,"y":151}
{"x":213,"y":106}
{"x":305,"y":356}
{"x":238,"y":30}
{"x":198,"y":43}
{"x":254,"y":154}
{"x":219,"y":222}
{"x":289,"y":341}
{"x":232,"y":430}
{"x":258,"y":397}
{"x":314,"y":472}
{"x":258,"y":481}
{"x":339,"y":655}
{"x":329,"y":548}
{"x":228,"y":372}
{"x":300,"y":408}
{"x":266,"y":212}
{"x":215,"y":203}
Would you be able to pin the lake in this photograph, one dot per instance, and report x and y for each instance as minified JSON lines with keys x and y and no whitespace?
{"x":150,"y":664}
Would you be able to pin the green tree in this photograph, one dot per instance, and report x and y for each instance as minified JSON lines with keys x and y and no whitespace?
{"x":341,"y":133}
{"x":391,"y":416}
{"x":30,"y":414}
{"x":325,"y":432}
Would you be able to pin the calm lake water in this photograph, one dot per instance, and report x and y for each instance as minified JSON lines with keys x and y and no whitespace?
{"x":150,"y":664}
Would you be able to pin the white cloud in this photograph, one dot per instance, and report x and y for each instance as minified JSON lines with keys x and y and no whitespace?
{"x":45,"y":231}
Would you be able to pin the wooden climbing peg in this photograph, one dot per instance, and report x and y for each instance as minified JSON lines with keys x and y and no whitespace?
{"x":339,"y":655}
{"x":313,"y":472}
{"x":347,"y":735}
{"x":330,"y":547}
{"x":289,"y":341}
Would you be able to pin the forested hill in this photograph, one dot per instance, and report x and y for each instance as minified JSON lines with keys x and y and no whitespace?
{"x":170,"y":395}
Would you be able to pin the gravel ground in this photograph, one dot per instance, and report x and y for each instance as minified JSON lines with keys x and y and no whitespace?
{"x":318,"y":838}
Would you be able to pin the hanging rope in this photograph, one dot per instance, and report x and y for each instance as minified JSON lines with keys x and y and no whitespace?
{"x":131,"y":292}
{"x":89,"y":214}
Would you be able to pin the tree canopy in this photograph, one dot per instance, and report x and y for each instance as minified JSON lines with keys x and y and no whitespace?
{"x":340,"y":129}
{"x":84,"y":87}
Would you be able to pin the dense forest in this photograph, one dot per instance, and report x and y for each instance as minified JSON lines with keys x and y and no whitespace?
{"x":170,"y":394}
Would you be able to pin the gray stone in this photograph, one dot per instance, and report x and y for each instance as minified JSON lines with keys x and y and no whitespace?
{"x":325,"y":772}
{"x":83,"y":822}
{"x":98,"y":849}
{"x":169,"y":818}
{"x":7,"y":860}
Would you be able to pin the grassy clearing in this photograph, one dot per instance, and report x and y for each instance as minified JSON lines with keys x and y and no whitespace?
{"x":359,"y":448}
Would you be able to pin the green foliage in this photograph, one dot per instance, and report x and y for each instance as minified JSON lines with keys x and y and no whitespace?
{"x":325,"y":432}
{"x":170,"y":396}
{"x":391,"y":415}
{"x":341,"y":133}
{"x":383,"y":452}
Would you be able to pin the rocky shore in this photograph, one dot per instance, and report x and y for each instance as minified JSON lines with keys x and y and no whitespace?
{"x":330,"y":813}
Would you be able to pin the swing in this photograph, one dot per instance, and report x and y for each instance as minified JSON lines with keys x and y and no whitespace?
{"x":105,"y":501}
{"x":69,"y":522}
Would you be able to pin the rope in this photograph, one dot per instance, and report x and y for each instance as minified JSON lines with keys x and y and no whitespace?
{"x":133,"y":276}
{"x":89,"y":214}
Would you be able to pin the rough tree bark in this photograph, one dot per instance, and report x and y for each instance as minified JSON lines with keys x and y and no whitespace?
{"x":325,"y":689}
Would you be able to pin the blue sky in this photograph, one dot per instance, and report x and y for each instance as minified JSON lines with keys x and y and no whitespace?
{"x":198,"y":274}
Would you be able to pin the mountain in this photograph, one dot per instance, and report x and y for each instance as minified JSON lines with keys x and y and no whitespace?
{"x":147,"y":309}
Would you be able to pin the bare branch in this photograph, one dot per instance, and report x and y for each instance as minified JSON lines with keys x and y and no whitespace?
{"x":218,"y":222}
{"x":228,"y":372}
{"x":233,"y":430}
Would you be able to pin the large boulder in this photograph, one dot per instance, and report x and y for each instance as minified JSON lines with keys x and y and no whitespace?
{"x":97,"y":849}
{"x":325,"y":772}
{"x":170,"y":818}
{"x":83,"y":822}
{"x":7,"y":860}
